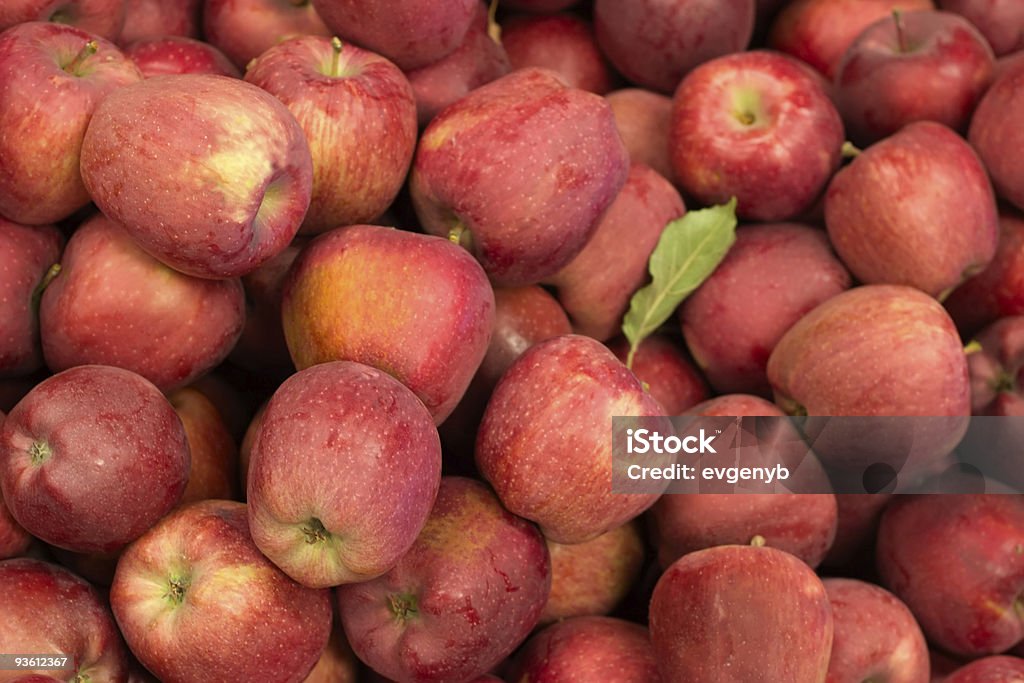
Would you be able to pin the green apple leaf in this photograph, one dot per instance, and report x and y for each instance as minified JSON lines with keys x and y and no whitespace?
{"x":687,"y":253}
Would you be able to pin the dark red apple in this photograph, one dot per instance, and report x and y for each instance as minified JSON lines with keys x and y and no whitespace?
{"x":333,"y":90}
{"x":197,"y":601}
{"x":1000,"y":669}
{"x":654,"y":44}
{"x":876,"y":637}
{"x":731,"y":106}
{"x":233,"y":150}
{"x":919,"y":66}
{"x":102,"y":18}
{"x":1000,"y":21}
{"x":466,"y":594}
{"x":91,"y":458}
{"x":152,"y":19}
{"x":245,"y":29}
{"x":772,"y":276}
{"x":734,"y":614}
{"x":114,"y":304}
{"x":52,"y":77}
{"x":29,"y":252}
{"x":171,"y":55}
{"x":563,"y":43}
{"x":915,"y":209}
{"x":562,"y":165}
{"x":214,"y":465}
{"x":957,"y":562}
{"x":50,"y":611}
{"x":994,"y":132}
{"x":662,"y":365}
{"x":643,"y":119}
{"x":14,"y":540}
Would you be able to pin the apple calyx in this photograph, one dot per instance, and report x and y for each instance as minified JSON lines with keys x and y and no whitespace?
{"x":403,"y":606}
{"x":87,"y":51}
{"x":39,"y":452}
{"x":177,"y":586}
{"x":315,"y":532}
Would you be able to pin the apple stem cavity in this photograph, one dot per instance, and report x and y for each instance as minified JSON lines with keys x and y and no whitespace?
{"x":315,"y":531}
{"x":403,"y":606}
{"x":87,"y":51}
{"x":901,"y":37}
{"x":39,"y":452}
{"x":1004,"y":383}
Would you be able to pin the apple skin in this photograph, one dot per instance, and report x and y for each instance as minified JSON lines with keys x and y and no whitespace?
{"x":857,"y":525}
{"x":937,"y":71}
{"x":377,"y":457}
{"x":355,"y":177}
{"x":337,"y":664}
{"x":466,"y":594}
{"x":563,"y":43}
{"x":997,"y":669}
{"x":772,"y":276}
{"x":875,"y":636}
{"x":14,"y":540}
{"x":756,"y":100}
{"x":543,"y":6}
{"x":998,"y":290}
{"x":197,"y":601}
{"x":428,"y":327}
{"x":176,"y":55}
{"x":40,"y":180}
{"x":596,"y":286}
{"x":1000,"y":21}
{"x":233,"y":149}
{"x":478,"y":60}
{"x":411,"y":33}
{"x":592,"y":578}
{"x":34,"y":250}
{"x":914,"y":209}
{"x":587,"y":649}
{"x":820,"y":31}
{"x":563,"y":164}
{"x":955,"y":561}
{"x":544,"y":443}
{"x":150,"y":19}
{"x":214,"y":466}
{"x":993,"y":133}
{"x":245,"y":29}
{"x":668,"y":374}
{"x":643,"y":119}
{"x":113,"y":458}
{"x":101,"y":18}
{"x":109,"y":290}
{"x":998,"y":368}
{"x":654,"y":44}
{"x":47,"y":609}
{"x":710,"y":601}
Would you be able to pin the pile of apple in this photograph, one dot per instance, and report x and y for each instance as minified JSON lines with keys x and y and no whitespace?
{"x":312,"y":317}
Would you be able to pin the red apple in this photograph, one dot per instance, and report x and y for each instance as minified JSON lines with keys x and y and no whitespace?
{"x":562,"y":162}
{"x":411,"y":33}
{"x":1000,"y":21}
{"x":103,"y":18}
{"x":643,"y":119}
{"x":919,"y":66}
{"x":234,"y":151}
{"x":14,"y":540}
{"x":592,"y":578}
{"x":595,"y":287}
{"x":52,"y":78}
{"x":478,"y":60}
{"x":462,"y":599}
{"x":197,"y":601}
{"x":914,"y":209}
{"x":731,"y":106}
{"x":214,"y":468}
{"x":734,"y":614}
{"x":772,"y":276}
{"x":820,"y":31}
{"x":588,"y":649}
{"x":49,"y":611}
{"x":956,"y":561}
{"x":91,"y":458}
{"x":994,"y":133}
{"x":333,"y":90}
{"x":361,"y":273}
{"x":176,"y":55}
{"x":545,"y":444}
{"x":245,"y":29}
{"x":1001,"y":669}
{"x":875,"y":636}
{"x":563,"y":43}
{"x":29,"y":252}
{"x":665,"y":370}
{"x":151,"y":19}
{"x":114,"y":304}
{"x":374,"y":456}
{"x":654,"y":44}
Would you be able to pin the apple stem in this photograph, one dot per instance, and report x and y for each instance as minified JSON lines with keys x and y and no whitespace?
{"x":631,"y":355}
{"x":461,"y":236}
{"x":850,"y":150}
{"x":973,"y":346}
{"x":493,"y":28}
{"x":758,"y":541}
{"x":336,"y":58}
{"x":897,"y":17}
{"x":87,"y":51}
{"x":37,"y":293}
